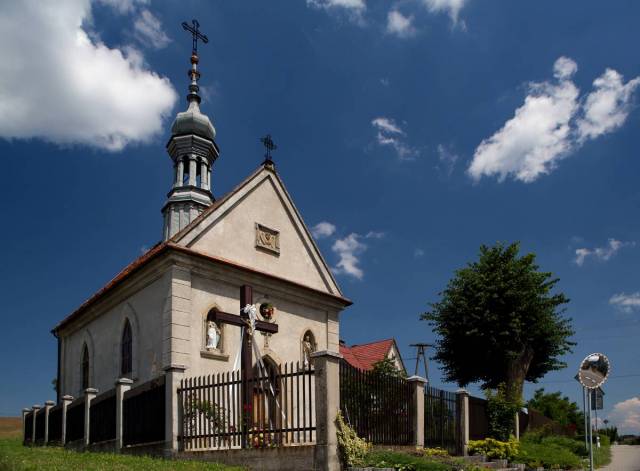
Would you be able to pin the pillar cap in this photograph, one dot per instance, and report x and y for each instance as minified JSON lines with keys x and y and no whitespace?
{"x":417,"y":379}
{"x":49,"y":403}
{"x":91,"y":391}
{"x":462,"y":391}
{"x":36,"y":406}
{"x":66,"y":397}
{"x":123,"y":381}
{"x":26,"y":409}
{"x":326,"y":353}
{"x":174,"y":367}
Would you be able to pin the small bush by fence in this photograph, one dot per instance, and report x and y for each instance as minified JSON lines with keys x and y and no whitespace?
{"x":441,"y":421}
{"x":380,"y":408}
{"x":281,"y":412}
{"x":144,"y":413}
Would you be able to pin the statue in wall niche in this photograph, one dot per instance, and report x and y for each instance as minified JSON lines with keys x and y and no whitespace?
{"x":308,"y":347}
{"x":213,"y":335}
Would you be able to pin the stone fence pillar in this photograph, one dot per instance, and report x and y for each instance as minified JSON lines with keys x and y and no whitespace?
{"x":172,"y":413}
{"x":35,"y":410}
{"x":66,"y":400}
{"x":47,"y":407}
{"x":417,"y":383}
{"x":463,"y":419}
{"x":89,"y":394}
{"x":327,"y":375}
{"x":25,"y":411}
{"x":122,"y":386}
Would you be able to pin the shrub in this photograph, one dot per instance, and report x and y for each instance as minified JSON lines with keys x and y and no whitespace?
{"x":501,"y":413}
{"x":435,"y":452}
{"x":352,"y":449}
{"x":495,"y":449}
{"x":403,"y":462}
{"x":549,"y":456}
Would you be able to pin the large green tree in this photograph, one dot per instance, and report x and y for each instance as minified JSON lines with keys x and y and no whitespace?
{"x":499,"y":320}
{"x":553,"y":405}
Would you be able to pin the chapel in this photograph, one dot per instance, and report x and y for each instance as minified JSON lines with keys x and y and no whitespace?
{"x":171,"y":306}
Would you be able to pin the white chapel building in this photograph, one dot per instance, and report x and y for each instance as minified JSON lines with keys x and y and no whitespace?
{"x":157,"y":312}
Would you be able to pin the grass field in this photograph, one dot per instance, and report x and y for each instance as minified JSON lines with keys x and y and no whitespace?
{"x":15,"y":457}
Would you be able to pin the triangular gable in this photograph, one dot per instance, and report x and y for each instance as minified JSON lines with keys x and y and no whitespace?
{"x":229,"y":229}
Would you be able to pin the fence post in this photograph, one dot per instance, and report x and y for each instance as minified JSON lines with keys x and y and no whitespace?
{"x":172,"y":413}
{"x":122,"y":386}
{"x":463,"y":420}
{"x":25,"y":411}
{"x":89,"y":394}
{"x":327,"y":373}
{"x":66,"y":400}
{"x":35,"y":410}
{"x":47,"y":407}
{"x":417,"y":383}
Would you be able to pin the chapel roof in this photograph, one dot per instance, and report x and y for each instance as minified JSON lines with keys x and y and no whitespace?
{"x":366,"y":355}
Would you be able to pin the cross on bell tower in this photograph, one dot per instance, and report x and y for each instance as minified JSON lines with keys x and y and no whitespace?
{"x":193,"y":150}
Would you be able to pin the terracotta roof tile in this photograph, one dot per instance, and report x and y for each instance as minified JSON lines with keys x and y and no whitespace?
{"x":366,"y":355}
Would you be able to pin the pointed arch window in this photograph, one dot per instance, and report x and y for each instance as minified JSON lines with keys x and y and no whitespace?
{"x":85,"y":367}
{"x":126,"y":355}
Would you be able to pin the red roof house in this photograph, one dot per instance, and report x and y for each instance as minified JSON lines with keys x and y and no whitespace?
{"x":366,"y":355}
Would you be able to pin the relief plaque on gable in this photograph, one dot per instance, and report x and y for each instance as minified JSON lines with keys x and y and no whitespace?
{"x":267,"y":239}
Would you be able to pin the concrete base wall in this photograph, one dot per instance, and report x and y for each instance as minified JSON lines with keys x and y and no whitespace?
{"x":108,"y":446}
{"x":290,"y":458}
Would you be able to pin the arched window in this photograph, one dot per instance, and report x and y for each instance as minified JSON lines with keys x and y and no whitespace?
{"x":85,"y":367}
{"x":125,"y":350}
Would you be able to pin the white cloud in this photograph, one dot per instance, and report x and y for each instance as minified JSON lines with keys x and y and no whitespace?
{"x":418,"y":253}
{"x":390,"y":134}
{"x":348,"y":249}
{"x":353,"y":9}
{"x":452,"y":7}
{"x":601,"y":253}
{"x":123,"y":6}
{"x":148,"y":29}
{"x":323,"y":229}
{"x":531,"y":142}
{"x":59,"y":85}
{"x":400,"y":25}
{"x":447,"y":159}
{"x":626,"y":302}
{"x":626,"y":416}
{"x":552,"y":123}
{"x":607,"y":107}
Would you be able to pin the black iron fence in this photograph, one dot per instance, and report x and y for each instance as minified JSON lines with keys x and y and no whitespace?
{"x":280,"y":411}
{"x":75,"y":420}
{"x":441,"y":422}
{"x":478,"y":419}
{"x":28,"y":427}
{"x":55,"y":424}
{"x":102,"y":417}
{"x":143,"y":413}
{"x":40,"y":425}
{"x":380,"y":407}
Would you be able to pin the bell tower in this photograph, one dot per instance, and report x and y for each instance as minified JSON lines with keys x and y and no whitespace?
{"x":193,"y":151}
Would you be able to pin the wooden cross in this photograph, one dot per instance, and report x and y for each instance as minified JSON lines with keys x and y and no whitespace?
{"x":246,"y":356}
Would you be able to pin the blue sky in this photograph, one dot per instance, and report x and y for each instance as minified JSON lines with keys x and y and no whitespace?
{"x":415,"y":130}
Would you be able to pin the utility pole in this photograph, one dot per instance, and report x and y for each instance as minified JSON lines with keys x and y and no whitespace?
{"x":421,"y":349}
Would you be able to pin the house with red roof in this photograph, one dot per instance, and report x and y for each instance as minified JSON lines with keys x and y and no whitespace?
{"x":365,"y":356}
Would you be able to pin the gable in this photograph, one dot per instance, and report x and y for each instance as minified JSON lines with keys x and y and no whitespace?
{"x":243,"y":225}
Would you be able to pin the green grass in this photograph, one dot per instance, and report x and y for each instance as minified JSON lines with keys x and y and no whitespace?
{"x":15,"y":457}
{"x":536,"y":449}
{"x":404,"y":461}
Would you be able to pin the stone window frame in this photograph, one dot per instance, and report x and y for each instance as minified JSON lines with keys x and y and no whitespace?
{"x":86,"y":339}
{"x":127,"y":314}
{"x":219,"y":353}
{"x":126,"y":350}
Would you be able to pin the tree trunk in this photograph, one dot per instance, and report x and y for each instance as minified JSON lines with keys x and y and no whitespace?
{"x":516,"y":373}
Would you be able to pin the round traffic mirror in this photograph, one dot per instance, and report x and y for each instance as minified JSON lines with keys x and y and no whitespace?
{"x":594,"y":370}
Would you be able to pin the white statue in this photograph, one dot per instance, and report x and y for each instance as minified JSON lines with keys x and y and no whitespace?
{"x":307,"y":349}
{"x":213,"y":335}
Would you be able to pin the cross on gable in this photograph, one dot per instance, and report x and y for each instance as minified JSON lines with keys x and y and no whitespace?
{"x":195,"y":32}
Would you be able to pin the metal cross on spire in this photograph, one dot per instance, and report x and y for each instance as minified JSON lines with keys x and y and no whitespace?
{"x":195,"y":32}
{"x":269,"y":146}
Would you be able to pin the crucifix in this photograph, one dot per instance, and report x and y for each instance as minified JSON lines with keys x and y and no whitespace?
{"x":269,"y":146}
{"x":195,"y":32}
{"x":246,"y":356}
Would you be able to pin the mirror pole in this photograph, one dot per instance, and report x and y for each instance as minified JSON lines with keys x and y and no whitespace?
{"x":590,"y":433}
{"x":584,"y":418}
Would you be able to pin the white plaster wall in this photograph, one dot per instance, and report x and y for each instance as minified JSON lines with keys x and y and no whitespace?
{"x":103,"y":336}
{"x":232,"y":237}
